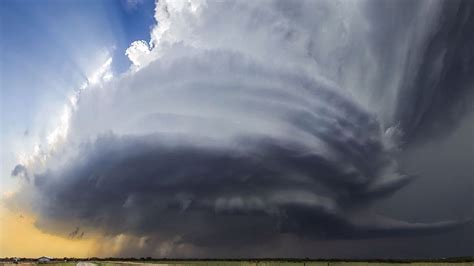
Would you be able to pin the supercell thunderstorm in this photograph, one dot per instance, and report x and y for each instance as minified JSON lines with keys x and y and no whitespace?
{"x":245,"y":120}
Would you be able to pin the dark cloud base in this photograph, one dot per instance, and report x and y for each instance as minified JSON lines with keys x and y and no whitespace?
{"x":189,"y":194}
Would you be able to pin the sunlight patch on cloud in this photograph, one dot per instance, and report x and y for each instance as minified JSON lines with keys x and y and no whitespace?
{"x":138,"y":53}
{"x":58,"y":135}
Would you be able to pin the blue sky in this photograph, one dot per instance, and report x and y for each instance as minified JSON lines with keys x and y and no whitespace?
{"x":47,"y":49}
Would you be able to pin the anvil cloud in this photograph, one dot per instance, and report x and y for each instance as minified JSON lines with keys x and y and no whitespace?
{"x":245,"y":121}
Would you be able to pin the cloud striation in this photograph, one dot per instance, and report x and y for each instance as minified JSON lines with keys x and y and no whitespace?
{"x":244,"y":121}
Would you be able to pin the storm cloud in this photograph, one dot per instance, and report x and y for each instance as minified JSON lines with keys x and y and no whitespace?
{"x":244,"y":122}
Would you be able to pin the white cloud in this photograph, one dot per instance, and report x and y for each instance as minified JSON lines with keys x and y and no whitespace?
{"x":138,"y":53}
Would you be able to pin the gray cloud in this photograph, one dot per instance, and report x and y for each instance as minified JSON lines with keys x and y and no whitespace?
{"x":249,"y":123}
{"x":442,"y":76}
{"x":21,"y":171}
{"x":245,"y":194}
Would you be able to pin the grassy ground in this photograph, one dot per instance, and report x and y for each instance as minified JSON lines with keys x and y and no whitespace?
{"x":284,"y":263}
{"x":244,"y":263}
{"x":272,"y":263}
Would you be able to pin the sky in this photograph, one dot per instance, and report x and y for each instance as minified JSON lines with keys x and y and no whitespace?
{"x":315,"y":129}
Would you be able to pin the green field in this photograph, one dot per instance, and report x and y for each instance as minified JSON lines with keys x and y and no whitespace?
{"x":244,"y":263}
{"x":271,"y":263}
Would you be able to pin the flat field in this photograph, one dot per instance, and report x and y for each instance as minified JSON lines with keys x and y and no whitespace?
{"x":238,"y":263}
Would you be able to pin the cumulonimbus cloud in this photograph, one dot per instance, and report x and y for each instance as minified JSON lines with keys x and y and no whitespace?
{"x":245,"y":120}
